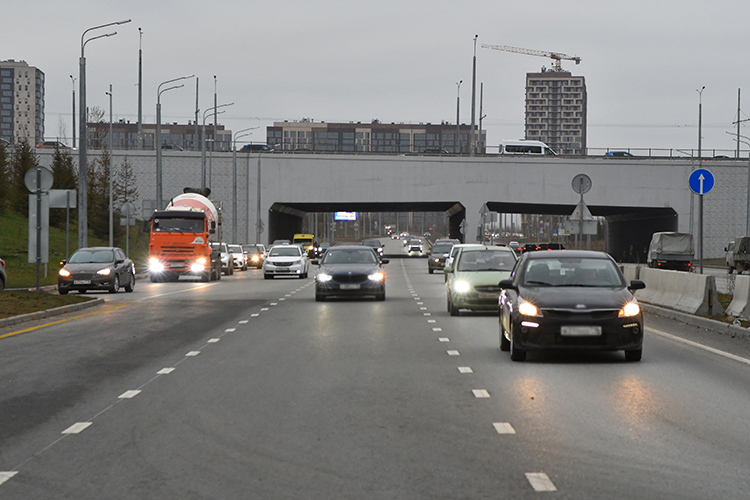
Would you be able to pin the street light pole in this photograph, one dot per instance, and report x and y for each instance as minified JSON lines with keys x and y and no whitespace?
{"x":74,"y":113}
{"x":111,"y":230}
{"x":203,"y":140}
{"x":237,"y":135}
{"x":140,"y":90}
{"x":457,"y":149}
{"x":700,"y":117}
{"x":159,"y":92}
{"x":83,"y":221}
{"x":473,"y":96}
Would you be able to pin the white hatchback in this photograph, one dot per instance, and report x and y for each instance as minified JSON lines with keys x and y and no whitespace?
{"x":285,"y":260}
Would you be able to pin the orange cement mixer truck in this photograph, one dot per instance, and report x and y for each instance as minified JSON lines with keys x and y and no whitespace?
{"x":181,"y":236}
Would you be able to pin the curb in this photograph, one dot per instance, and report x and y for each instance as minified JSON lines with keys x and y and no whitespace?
{"x":57,"y":311}
{"x":708,"y":324}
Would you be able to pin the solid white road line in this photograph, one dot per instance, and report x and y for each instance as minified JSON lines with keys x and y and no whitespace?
{"x":76,"y":428}
{"x":540,"y":482}
{"x":504,"y":428}
{"x":699,"y":346}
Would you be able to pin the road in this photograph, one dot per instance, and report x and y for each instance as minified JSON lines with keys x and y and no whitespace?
{"x":248,"y":388}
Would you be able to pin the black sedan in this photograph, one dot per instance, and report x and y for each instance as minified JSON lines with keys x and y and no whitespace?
{"x":96,"y":268}
{"x":350,"y":271}
{"x":569,"y":300}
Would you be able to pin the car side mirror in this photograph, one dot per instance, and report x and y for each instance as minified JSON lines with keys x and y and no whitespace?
{"x":385,"y":261}
{"x":507,"y":285}
{"x":636,"y":285}
{"x":118,"y":262}
{"x":63,"y":262}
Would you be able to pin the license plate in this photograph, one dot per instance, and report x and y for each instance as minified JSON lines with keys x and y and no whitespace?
{"x":350,"y":287}
{"x":580,"y":331}
{"x":82,"y":282}
{"x":485,"y":295}
{"x":177,"y":266}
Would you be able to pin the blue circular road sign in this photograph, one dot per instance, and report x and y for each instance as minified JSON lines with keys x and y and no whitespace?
{"x":701,"y":181}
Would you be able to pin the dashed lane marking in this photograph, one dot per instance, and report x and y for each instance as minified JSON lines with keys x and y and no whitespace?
{"x":193,"y":353}
{"x":504,"y":428}
{"x":465,"y":369}
{"x":444,"y":339}
{"x":453,"y":353}
{"x":540,"y":482}
{"x":480,"y":393}
{"x":165,"y":371}
{"x":213,"y":341}
{"x":5,"y":475}
{"x":229,"y":330}
{"x":437,"y":329}
{"x":76,"y":428}
{"x":128,"y":394}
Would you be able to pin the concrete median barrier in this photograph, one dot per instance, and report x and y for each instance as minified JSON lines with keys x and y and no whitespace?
{"x":631,"y":271}
{"x":686,"y":292}
{"x":740,"y":306}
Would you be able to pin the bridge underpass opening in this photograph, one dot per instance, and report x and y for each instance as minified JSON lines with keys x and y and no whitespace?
{"x":625,"y":234}
{"x":287,"y":219}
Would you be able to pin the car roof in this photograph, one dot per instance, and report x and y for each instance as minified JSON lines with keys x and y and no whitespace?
{"x":591,"y":254}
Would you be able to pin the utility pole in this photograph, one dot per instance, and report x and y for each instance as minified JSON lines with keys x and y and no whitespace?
{"x":473,"y":98}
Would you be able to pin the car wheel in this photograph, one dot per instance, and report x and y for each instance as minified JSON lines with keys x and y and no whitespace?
{"x":319,"y":297}
{"x":115,"y":285}
{"x":504,"y":342}
{"x":453,"y":311}
{"x":430,"y":270}
{"x":131,"y":284}
{"x":268,"y":276}
{"x":62,"y":291}
{"x":516,"y":354}
{"x":634,"y":355}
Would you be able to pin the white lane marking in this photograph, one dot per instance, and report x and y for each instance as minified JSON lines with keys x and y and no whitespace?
{"x":213,"y":341}
{"x":244,"y":321}
{"x":179,"y":291}
{"x":422,"y":308}
{"x":274,"y":303}
{"x":282,"y":298}
{"x":432,"y":321}
{"x":420,"y":303}
{"x":426,"y":314}
{"x":229,"y":330}
{"x":480,"y":393}
{"x":254,"y":315}
{"x":264,"y":309}
{"x":700,"y":346}
{"x":504,"y":428}
{"x":437,"y":329}
{"x":465,"y":369}
{"x":5,"y":475}
{"x":417,"y":298}
{"x":288,"y":295}
{"x":453,"y":353}
{"x":540,"y":482}
{"x":129,"y":394}
{"x":165,"y":371}
{"x":444,"y":339}
{"x":193,"y":353}
{"x":76,"y":428}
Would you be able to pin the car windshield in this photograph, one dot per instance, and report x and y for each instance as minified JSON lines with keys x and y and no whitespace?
{"x":442,"y":248}
{"x":292,"y":251}
{"x":371,"y":243}
{"x":486,"y":260}
{"x":235,"y":248}
{"x":572,"y":272}
{"x":178,"y":225}
{"x":350,"y":257}
{"x":92,"y":257}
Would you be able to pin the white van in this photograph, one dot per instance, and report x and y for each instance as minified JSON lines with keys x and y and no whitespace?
{"x":524,"y":147}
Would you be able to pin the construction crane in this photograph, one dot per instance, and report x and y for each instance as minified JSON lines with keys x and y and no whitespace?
{"x":529,"y":52}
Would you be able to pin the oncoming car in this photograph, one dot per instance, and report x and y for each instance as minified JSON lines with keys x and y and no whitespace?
{"x":375,"y":244}
{"x":569,"y":300}
{"x":239,"y":258}
{"x":96,"y":268}
{"x":474,"y":279}
{"x":285,"y":260}
{"x":437,"y":257}
{"x":350,"y":271}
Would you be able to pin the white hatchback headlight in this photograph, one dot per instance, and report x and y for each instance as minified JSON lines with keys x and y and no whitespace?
{"x":462,"y":286}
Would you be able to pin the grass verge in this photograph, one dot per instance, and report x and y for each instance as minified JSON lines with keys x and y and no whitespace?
{"x":16,"y":303}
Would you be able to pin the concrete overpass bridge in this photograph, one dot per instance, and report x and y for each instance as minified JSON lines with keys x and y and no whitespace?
{"x":636,"y":196}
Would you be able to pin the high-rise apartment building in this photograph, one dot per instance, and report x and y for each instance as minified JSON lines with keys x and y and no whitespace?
{"x":21,"y":102}
{"x":556,"y":111}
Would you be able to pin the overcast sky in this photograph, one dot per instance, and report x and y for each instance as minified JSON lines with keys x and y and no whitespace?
{"x":398,"y":61}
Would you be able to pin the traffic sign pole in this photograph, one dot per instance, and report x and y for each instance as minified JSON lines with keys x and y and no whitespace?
{"x":701,"y":181}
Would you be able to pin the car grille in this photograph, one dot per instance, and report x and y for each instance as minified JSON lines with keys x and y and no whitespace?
{"x":83,"y":276}
{"x":350,"y":278}
{"x":178,"y":250}
{"x":281,"y":264}
{"x":566,"y":314}
{"x":488,"y":288}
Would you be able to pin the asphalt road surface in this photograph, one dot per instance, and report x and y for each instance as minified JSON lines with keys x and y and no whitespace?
{"x":248,"y":388}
